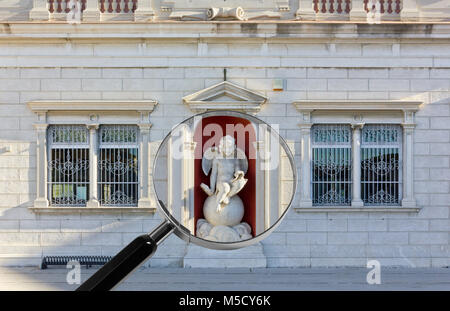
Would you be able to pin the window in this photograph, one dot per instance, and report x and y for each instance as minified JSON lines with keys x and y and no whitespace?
{"x":69,"y":160}
{"x":365,"y":162}
{"x":380,"y":164}
{"x":331,"y":157}
{"x":331,"y":165}
{"x":92,"y":163}
{"x":68,"y":165}
{"x":118,"y":165}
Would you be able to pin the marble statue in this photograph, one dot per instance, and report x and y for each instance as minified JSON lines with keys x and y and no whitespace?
{"x":224,"y":209}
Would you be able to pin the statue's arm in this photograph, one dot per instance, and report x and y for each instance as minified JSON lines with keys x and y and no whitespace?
{"x":213,"y":176}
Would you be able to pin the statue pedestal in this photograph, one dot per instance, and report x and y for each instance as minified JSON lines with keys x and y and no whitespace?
{"x":247,"y":257}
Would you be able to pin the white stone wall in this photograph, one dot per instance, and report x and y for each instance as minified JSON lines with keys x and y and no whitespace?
{"x":166,"y":71}
{"x":411,"y":10}
{"x":15,"y":10}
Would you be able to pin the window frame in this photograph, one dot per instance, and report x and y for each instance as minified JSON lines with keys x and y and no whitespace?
{"x":357,"y":113}
{"x":92,"y":114}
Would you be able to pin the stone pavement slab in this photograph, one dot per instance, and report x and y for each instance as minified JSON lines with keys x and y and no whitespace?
{"x":237,"y":279}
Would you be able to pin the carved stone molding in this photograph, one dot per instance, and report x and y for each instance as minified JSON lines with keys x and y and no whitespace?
{"x":230,"y":10}
{"x":357,"y":105}
{"x":224,"y":14}
{"x":92,"y":105}
{"x":188,"y":15}
{"x":225,"y":95}
{"x":228,"y":13}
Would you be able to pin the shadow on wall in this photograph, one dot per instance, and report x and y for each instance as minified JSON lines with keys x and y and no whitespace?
{"x":78,"y":234}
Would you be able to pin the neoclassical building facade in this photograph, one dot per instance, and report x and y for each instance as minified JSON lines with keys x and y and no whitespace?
{"x":360,"y":91}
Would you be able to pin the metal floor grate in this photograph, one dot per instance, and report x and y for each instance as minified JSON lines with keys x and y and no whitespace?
{"x":88,"y":261}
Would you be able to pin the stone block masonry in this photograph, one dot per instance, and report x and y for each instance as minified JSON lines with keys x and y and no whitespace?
{"x":166,"y":72}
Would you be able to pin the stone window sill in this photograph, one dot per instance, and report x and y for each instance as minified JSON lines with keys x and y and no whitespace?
{"x":87,"y":210}
{"x":388,"y":209}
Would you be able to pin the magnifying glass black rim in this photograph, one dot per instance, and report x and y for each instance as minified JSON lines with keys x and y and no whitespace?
{"x":185,"y":234}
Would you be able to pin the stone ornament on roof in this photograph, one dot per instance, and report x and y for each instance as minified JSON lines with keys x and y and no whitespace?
{"x":231,"y":10}
{"x":224,"y":14}
{"x":231,"y":13}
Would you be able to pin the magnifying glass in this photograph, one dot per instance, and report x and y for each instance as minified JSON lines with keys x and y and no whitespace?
{"x":223,"y":180}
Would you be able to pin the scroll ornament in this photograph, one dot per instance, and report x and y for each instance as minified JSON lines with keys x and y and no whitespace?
{"x":233,"y":13}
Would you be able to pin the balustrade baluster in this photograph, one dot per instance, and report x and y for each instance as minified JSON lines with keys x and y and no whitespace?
{"x":397,"y":6}
{"x":67,"y":10}
{"x":102,"y":6}
{"x":110,"y":7}
{"x":324,"y":6}
{"x":331,"y":9}
{"x":381,"y":6}
{"x":118,"y":6}
{"x":347,"y":6}
{"x":51,"y":8}
{"x":316,"y":6}
{"x":59,"y":7}
{"x":339,"y":8}
{"x":366,"y":5}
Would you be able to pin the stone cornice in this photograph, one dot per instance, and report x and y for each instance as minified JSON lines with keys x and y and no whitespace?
{"x":254,"y":30}
{"x":357,"y":105}
{"x":92,"y":105}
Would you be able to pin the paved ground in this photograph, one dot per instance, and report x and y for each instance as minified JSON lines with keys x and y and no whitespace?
{"x":29,"y":278}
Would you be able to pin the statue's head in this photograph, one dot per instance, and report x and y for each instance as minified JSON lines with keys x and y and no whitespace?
{"x":226,"y":145}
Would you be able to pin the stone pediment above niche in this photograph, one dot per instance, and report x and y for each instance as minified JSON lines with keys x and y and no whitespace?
{"x":225,"y":95}
{"x":224,"y":10}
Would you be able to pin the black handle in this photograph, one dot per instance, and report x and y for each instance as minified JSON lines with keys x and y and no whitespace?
{"x":128,"y":259}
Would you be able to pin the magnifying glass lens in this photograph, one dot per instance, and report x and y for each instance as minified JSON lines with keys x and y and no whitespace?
{"x":224,"y":178}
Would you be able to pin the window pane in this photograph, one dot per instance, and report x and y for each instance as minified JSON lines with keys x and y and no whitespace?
{"x":68,"y":165}
{"x":331,"y":165}
{"x":118,"y":165}
{"x":380,"y":165}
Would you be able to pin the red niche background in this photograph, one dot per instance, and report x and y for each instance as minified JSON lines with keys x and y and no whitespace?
{"x":208,"y":134}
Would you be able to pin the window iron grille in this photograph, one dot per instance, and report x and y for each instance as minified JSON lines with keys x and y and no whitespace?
{"x":381,"y":169}
{"x":331,"y":165}
{"x":118,"y":165}
{"x":68,"y":165}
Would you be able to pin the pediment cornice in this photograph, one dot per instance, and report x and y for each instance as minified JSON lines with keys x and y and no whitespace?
{"x":225,"y":96}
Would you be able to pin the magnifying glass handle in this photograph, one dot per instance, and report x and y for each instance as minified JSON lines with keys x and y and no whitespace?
{"x":127,"y":260}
